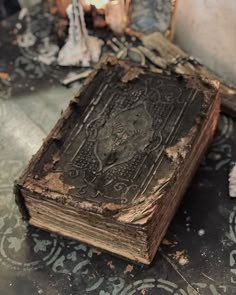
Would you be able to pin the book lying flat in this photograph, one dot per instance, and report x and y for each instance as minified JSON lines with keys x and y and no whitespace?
{"x":114,"y":168}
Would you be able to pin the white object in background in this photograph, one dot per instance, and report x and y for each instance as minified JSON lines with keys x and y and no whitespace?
{"x":206,"y":29}
{"x":80,"y":48}
{"x":232,"y":181}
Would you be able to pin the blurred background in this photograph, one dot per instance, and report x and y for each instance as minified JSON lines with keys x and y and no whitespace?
{"x":204,"y":28}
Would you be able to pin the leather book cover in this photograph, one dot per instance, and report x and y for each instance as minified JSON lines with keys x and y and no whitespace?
{"x":115,"y":167}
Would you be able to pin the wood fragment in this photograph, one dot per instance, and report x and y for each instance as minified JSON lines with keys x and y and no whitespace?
{"x":153,"y":58}
{"x":76,"y":77}
{"x":122,"y":53}
{"x":129,"y":268}
{"x":114,"y":47}
{"x":170,"y":53}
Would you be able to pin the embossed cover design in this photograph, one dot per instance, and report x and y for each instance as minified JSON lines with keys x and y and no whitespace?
{"x":120,"y":158}
{"x":116,"y":150}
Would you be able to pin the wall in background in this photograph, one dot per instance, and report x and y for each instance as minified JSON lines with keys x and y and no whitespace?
{"x":207,"y":30}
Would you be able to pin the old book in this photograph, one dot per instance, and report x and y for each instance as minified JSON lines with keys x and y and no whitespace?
{"x":114,"y":168}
